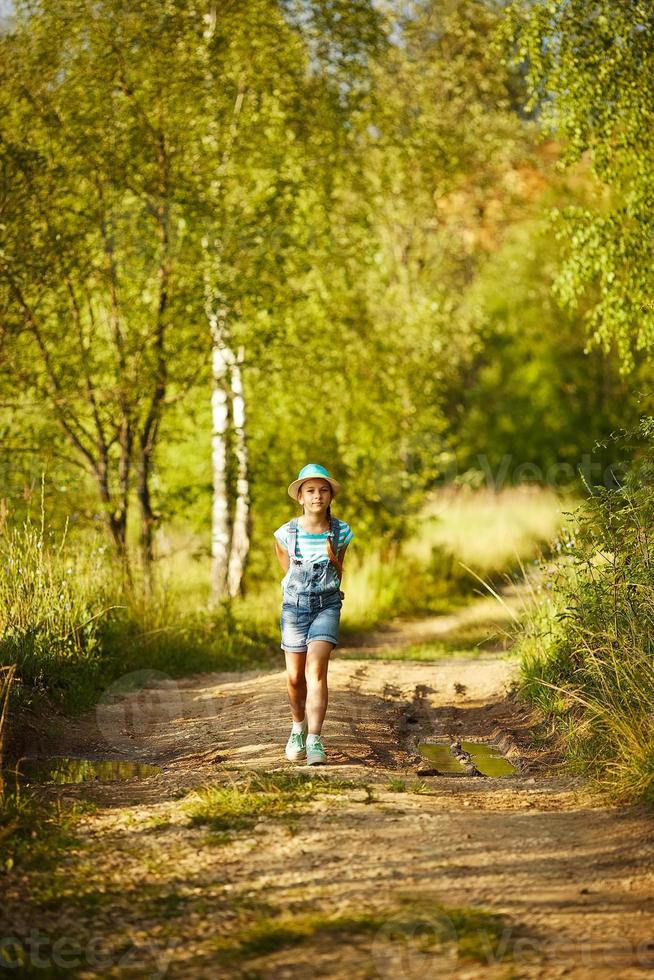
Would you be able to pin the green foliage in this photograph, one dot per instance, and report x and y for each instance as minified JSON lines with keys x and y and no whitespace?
{"x":249,"y":797}
{"x":590,"y":71}
{"x":588,"y":652}
{"x":334,"y":184}
{"x":34,"y":833}
{"x":440,"y":135}
{"x":143,"y":203}
{"x":537,"y":401}
{"x":334,"y":194}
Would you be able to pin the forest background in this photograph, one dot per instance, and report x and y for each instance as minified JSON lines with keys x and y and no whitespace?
{"x":411,"y":242}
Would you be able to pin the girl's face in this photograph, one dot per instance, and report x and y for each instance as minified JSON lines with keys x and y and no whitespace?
{"x":315,"y":495}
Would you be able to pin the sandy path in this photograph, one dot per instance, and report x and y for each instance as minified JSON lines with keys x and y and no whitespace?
{"x":572,"y":877}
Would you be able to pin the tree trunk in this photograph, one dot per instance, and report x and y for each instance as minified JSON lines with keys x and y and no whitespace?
{"x":221,"y":359}
{"x":147,"y":518}
{"x":117,"y":523}
{"x":240,"y":530}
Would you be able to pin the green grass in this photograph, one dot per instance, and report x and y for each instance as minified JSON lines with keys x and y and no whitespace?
{"x":487,"y":626}
{"x":424,"y":652}
{"x":419,"y":787}
{"x":69,"y":627}
{"x":494,"y":533}
{"x":397,"y":786}
{"x":471,"y":934}
{"x":488,"y":530}
{"x":33,"y":832}
{"x":250,"y":796}
{"x":587,"y":653}
{"x":599,"y":692}
{"x":6,"y":683}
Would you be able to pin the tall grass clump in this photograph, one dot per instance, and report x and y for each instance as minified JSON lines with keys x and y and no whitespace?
{"x":6,"y":682}
{"x":71,"y":622}
{"x":588,"y":648}
{"x":51,"y":605}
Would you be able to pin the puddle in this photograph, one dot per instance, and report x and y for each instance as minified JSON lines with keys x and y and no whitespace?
{"x":438,"y":753}
{"x":486,"y":758}
{"x":64,"y":770}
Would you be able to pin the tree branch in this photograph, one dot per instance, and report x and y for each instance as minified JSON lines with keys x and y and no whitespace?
{"x":55,"y":390}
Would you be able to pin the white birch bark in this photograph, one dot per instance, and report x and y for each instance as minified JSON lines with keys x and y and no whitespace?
{"x":240,"y":528}
{"x":220,"y":535}
{"x":221,"y":360}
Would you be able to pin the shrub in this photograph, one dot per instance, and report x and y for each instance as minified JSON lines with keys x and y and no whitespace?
{"x":588,"y":650}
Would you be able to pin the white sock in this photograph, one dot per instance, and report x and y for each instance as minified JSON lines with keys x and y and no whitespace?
{"x":311,"y":738}
{"x":299,"y":726}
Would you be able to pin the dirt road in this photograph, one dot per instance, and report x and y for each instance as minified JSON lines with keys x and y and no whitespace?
{"x":564,"y":882}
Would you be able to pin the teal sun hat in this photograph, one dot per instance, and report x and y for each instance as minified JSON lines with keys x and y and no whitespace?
{"x":312,"y":470}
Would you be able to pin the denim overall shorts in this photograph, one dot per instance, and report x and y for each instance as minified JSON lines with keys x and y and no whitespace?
{"x":311,"y":597}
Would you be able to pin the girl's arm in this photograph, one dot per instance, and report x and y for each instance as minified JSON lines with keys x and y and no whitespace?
{"x":282,"y":555}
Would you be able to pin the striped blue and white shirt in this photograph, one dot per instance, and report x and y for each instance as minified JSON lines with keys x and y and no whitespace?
{"x":313,"y":547}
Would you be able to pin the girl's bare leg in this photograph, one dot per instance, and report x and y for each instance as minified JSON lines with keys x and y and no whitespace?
{"x":296,"y":683}
{"x":317,"y":662}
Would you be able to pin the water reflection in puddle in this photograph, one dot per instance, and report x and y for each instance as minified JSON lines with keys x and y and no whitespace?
{"x":438,"y":753}
{"x":66,"y":770}
{"x":486,"y":757}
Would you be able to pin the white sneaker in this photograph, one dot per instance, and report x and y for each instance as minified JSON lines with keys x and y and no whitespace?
{"x":316,"y":752}
{"x":296,"y":745}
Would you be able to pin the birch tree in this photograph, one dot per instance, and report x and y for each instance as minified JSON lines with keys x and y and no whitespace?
{"x":92,"y":264}
{"x":266,"y":136}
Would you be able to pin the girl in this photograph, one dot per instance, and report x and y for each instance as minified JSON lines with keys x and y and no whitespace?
{"x":310,"y":549}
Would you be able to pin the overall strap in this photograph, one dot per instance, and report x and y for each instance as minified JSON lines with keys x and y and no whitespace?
{"x":335,"y":532}
{"x":332,"y":546}
{"x":292,"y":538}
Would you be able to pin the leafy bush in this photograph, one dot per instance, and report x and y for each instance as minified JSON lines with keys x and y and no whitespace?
{"x":588,"y":651}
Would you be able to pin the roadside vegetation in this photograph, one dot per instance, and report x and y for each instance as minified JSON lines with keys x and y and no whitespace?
{"x":70,"y":624}
{"x":588,"y":647}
